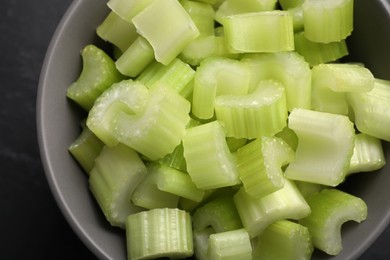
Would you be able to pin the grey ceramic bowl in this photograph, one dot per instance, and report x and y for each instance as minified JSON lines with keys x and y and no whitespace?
{"x":58,"y":125}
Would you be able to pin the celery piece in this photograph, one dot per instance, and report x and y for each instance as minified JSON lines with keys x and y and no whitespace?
{"x":297,"y":17}
{"x":289,"y":68}
{"x":260,"y":113}
{"x":259,"y":165}
{"x":308,"y":188}
{"x":85,"y":149}
{"x":232,"y":7}
{"x":328,"y":21}
{"x":316,"y":53}
{"x":235,"y":143}
{"x":175,"y":159}
{"x":217,"y":76}
{"x":202,"y":14}
{"x":289,"y":136}
{"x":220,"y":213}
{"x":135,"y":58}
{"x":371,"y":110}
{"x":98,"y":73}
{"x":214,"y":3}
{"x":177,"y":75}
{"x":230,"y":245}
{"x":368,"y":154}
{"x":287,"y":4}
{"x":127,"y":95}
{"x":330,"y":208}
{"x":269,"y":31}
{"x":115,"y":175}
{"x":284,"y":239}
{"x":127,"y":9}
{"x":147,"y":194}
{"x":159,"y":233}
{"x":159,"y":128}
{"x":178,"y":183}
{"x":190,"y":205}
{"x":325,"y":147}
{"x":201,"y":242}
{"x":117,"y":31}
{"x":257,"y":214}
{"x":209,"y":161}
{"x":174,"y":32}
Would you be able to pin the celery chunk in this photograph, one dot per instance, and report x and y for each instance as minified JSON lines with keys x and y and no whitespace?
{"x":127,"y":9}
{"x":228,"y":245}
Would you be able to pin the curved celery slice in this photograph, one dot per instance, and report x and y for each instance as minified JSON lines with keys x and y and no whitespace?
{"x":117,"y":31}
{"x":175,"y":31}
{"x":368,"y":154}
{"x":202,"y":14}
{"x":159,"y":233}
{"x":217,"y":76}
{"x":287,"y":4}
{"x":220,"y":213}
{"x":308,"y":188}
{"x":98,"y":73}
{"x":259,"y":164}
{"x":233,"y":244}
{"x":127,"y":95}
{"x":326,"y":100}
{"x":127,"y":9}
{"x":371,"y":110}
{"x":260,"y":113}
{"x":201,"y":242}
{"x":257,"y":214}
{"x":284,"y":239}
{"x":289,"y":68}
{"x":297,"y":17}
{"x":325,"y":147}
{"x":235,"y":143}
{"x":328,"y":21}
{"x":330,"y":209}
{"x":113,"y":179}
{"x":209,"y":161}
{"x":246,"y":33}
{"x":289,"y":136}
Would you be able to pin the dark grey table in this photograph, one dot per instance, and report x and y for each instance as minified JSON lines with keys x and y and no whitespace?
{"x":31,"y":224}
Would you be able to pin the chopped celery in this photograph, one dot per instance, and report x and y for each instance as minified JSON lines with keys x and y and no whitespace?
{"x":287,"y":4}
{"x":98,"y":73}
{"x":209,"y":161}
{"x":285,"y":240}
{"x":201,"y":242}
{"x":297,"y":17}
{"x":270,"y":31}
{"x":308,"y":188}
{"x":325,"y":147}
{"x":127,"y":9}
{"x":230,"y":245}
{"x":174,"y":32}
{"x":289,"y":136}
{"x":260,"y":113}
{"x":330,"y":209}
{"x":113,"y":179}
{"x":235,"y":143}
{"x":159,"y":233}
{"x":202,"y":14}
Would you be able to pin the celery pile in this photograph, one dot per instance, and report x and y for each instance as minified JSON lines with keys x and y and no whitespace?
{"x":221,"y":129}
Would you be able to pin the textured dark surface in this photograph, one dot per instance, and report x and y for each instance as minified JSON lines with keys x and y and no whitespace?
{"x":31,"y":224}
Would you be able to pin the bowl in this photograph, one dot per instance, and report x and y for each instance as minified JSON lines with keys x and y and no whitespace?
{"x":58,"y":126}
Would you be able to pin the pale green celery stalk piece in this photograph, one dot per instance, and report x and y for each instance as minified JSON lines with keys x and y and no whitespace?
{"x":368,"y":154}
{"x":285,"y":240}
{"x":326,"y":100}
{"x":85,"y":148}
{"x":371,"y":110}
{"x":328,"y":21}
{"x":288,"y":4}
{"x":308,"y":188}
{"x":177,"y":75}
{"x":230,"y":245}
{"x":316,"y":53}
{"x":113,"y":179}
{"x":136,"y":58}
{"x":235,"y":143}
{"x":257,"y":214}
{"x":190,"y":205}
{"x":178,"y":183}
{"x":202,"y":14}
{"x":209,"y":161}
{"x":289,"y":136}
{"x":201,"y":242}
{"x":260,"y":113}
{"x":147,"y":194}
{"x":297,"y":17}
{"x":219,"y":31}
{"x":259,"y":165}
{"x":214,"y":3}
{"x":269,"y":31}
{"x":330,"y":209}
{"x":127,"y":9}
{"x":159,"y":128}
{"x":233,"y":7}
{"x":117,"y":31}
{"x":289,"y":68}
{"x":127,"y":95}
{"x":206,"y":47}
{"x":220,"y":213}
{"x":98,"y":73}
{"x":159,"y":233}
{"x":174,"y":31}
{"x":217,"y":76}
{"x":325,"y":147}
